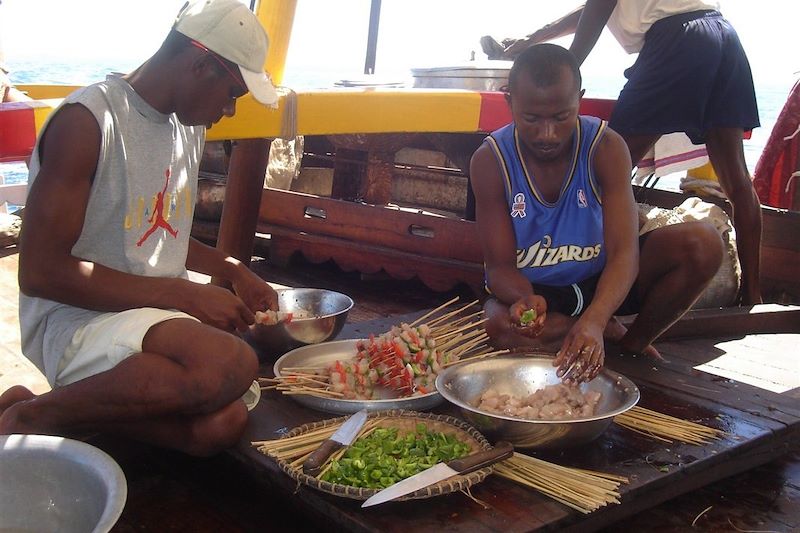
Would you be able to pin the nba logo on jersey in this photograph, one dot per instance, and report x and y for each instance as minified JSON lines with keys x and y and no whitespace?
{"x":518,"y":207}
{"x":582,"y":199}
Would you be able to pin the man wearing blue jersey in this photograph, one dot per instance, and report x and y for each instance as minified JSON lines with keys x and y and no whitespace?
{"x":558,"y":225}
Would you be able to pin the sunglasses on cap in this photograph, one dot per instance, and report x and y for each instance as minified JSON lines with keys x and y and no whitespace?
{"x":221,"y":62}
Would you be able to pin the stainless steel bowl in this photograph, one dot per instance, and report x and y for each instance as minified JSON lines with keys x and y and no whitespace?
{"x":520,"y":375}
{"x":56,"y":484}
{"x":325,"y":312}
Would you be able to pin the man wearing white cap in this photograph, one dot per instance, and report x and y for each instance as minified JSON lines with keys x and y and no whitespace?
{"x":107,"y":312}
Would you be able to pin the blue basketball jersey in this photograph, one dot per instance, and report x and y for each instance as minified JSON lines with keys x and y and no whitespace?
{"x":559,"y":243}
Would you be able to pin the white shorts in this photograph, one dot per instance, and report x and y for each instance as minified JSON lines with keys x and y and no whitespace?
{"x":107,"y":340}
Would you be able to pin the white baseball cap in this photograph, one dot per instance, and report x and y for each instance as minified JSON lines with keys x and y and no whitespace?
{"x":229,"y":29}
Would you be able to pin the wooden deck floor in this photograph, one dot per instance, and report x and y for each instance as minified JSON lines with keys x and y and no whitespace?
{"x":766,"y":498}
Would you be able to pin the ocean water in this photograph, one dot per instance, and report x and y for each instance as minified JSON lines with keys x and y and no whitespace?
{"x":771,"y":96}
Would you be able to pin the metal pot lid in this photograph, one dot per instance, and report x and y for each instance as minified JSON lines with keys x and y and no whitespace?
{"x":489,"y":67}
{"x":368,"y":80}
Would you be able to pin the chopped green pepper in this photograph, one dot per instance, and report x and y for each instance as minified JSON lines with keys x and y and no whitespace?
{"x":527,"y":317}
{"x":384,"y":457}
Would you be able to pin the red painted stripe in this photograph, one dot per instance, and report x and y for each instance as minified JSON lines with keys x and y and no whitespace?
{"x":17,"y":131}
{"x":495,"y":113}
{"x":597,"y":107}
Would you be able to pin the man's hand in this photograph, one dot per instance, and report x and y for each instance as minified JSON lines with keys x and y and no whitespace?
{"x":254,"y":291}
{"x":529,"y":328}
{"x":514,"y":47}
{"x":582,"y":354}
{"x":220,"y":308}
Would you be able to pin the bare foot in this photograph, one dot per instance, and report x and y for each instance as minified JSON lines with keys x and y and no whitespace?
{"x":10,"y":398}
{"x":15,"y":394}
{"x":615,"y":332}
{"x":649,"y":351}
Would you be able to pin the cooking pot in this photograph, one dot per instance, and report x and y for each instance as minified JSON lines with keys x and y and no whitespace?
{"x":489,"y":75}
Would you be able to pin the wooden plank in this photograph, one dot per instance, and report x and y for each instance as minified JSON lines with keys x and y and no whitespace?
{"x":763,"y":361}
{"x":677,"y":378}
{"x":753,"y":439}
{"x":780,"y":228}
{"x":440,"y":274}
{"x":402,"y":229}
{"x":717,"y":322}
{"x":780,"y":264}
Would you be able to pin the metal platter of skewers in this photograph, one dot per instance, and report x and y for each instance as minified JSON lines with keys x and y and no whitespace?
{"x":395,"y":370}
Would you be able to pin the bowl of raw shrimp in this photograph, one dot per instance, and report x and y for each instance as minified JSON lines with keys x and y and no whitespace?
{"x":305,"y":316}
{"x":520,"y":399}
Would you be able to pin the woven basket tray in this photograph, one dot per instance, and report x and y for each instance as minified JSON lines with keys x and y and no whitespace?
{"x":403,"y":420}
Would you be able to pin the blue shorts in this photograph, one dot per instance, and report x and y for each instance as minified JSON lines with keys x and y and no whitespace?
{"x":572,"y":300}
{"x":691,"y":75}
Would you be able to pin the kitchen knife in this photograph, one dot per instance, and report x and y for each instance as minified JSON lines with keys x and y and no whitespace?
{"x":436,"y":473}
{"x":344,"y":436}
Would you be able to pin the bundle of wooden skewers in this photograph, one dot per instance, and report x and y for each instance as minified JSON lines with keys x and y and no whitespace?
{"x":666,"y":428}
{"x":582,"y":490}
{"x":406,"y":359}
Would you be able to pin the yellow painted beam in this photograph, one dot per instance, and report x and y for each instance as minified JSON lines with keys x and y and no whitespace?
{"x":42,"y":110}
{"x":387,"y":110}
{"x":42,"y":92}
{"x":345,"y":110}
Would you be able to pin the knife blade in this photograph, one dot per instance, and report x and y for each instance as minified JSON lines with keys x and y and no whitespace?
{"x":344,"y":436}
{"x":439,"y":472}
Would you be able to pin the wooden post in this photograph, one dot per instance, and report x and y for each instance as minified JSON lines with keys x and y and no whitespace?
{"x":242,"y":199}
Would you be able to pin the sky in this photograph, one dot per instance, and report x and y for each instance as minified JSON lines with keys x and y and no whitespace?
{"x":331,"y":35}
{"x":329,"y":40}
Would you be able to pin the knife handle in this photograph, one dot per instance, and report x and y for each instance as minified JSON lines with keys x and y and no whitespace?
{"x":502,"y":450}
{"x":313,"y":465}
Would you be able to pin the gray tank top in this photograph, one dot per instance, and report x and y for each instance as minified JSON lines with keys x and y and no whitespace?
{"x":139,"y":216}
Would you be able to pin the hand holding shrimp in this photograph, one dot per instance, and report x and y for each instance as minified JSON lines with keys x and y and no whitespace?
{"x":582,"y":353}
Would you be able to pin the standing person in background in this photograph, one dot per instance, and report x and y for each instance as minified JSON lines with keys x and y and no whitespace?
{"x":691,"y":76}
{"x":9,"y":92}
{"x":557,"y":222}
{"x":130,"y":345}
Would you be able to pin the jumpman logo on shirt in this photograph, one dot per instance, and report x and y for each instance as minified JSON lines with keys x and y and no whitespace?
{"x":157,"y":218}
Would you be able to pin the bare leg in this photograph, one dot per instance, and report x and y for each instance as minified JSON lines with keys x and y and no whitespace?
{"x":182,"y":392}
{"x":615,"y":331}
{"x":201,"y":435}
{"x":676,"y":264}
{"x":727,"y":157}
{"x":503,"y":335}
